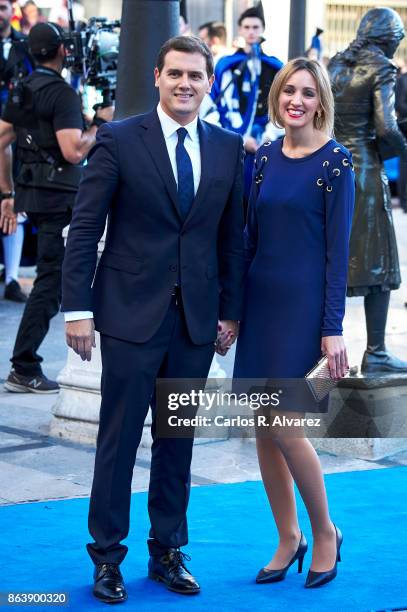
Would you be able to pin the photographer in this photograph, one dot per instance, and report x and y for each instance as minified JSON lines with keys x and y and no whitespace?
{"x":44,"y":116}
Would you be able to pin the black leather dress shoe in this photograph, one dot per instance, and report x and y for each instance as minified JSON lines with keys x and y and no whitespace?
{"x":170,"y":569}
{"x":109,"y":585}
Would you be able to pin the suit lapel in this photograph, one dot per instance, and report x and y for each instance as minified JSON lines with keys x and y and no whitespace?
{"x":207,"y":163}
{"x":154,"y":141}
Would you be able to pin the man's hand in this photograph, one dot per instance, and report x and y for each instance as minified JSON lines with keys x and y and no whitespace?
{"x":334,"y":348}
{"x":8,"y":218}
{"x":105,"y":113}
{"x":80,"y":336}
{"x":250,"y":144}
{"x":228,"y":331}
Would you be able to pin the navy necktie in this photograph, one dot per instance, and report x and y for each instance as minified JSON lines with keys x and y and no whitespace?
{"x":185,"y":175}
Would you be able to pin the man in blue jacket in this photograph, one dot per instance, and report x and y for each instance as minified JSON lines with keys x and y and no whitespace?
{"x":241,"y":87}
{"x":170,"y":276}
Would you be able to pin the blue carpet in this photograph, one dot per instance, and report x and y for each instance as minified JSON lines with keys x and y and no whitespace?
{"x":232,"y":535}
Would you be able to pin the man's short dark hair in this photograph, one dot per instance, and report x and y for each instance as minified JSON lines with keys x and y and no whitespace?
{"x":252,"y":12}
{"x":186,"y":44}
{"x":217,"y":30}
{"x":205,"y":26}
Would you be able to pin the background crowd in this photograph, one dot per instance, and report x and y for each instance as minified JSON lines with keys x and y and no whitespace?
{"x":244,"y":74}
{"x":19,"y":248}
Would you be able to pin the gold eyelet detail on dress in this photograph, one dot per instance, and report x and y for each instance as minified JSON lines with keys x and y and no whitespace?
{"x":329,"y":188}
{"x":264,"y":158}
{"x":337,"y":149}
{"x":336,"y":171}
{"x":345,"y":162}
{"x":258,"y":179}
{"x":320,"y":182}
{"x":326,"y":163}
{"x":267,"y":144}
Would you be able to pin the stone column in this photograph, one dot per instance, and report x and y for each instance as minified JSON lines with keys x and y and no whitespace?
{"x":296,"y":45}
{"x":76,"y":411}
{"x":146,"y":25}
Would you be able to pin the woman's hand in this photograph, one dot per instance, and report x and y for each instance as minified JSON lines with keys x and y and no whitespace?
{"x":334,"y":348}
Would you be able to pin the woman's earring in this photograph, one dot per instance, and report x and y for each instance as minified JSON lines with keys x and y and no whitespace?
{"x":319,"y":114}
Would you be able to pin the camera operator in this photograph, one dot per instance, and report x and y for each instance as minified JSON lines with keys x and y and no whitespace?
{"x":45,"y":119}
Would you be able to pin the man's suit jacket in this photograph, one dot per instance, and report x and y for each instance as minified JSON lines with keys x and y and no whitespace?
{"x":148,"y":246}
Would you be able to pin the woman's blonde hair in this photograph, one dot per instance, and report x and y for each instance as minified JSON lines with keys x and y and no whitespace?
{"x":324,"y":122}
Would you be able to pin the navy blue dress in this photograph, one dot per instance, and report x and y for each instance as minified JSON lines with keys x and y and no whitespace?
{"x":296,"y":240}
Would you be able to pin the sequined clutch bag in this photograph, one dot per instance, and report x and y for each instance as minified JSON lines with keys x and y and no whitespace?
{"x":319,"y":380}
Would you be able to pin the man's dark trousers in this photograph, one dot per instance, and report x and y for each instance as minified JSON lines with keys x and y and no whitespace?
{"x":128,"y":383}
{"x":45,"y":298}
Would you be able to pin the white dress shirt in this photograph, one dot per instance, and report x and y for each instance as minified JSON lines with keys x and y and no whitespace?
{"x":191,"y":142}
{"x":169,"y":127}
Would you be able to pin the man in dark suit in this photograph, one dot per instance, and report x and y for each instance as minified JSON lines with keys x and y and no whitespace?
{"x":170,"y":276}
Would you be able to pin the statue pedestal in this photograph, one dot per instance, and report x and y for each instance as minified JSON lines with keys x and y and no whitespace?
{"x":367,"y":417}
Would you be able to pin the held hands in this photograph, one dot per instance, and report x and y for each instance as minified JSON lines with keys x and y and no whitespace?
{"x":228,"y":331}
{"x":8,"y":218}
{"x":334,"y":348}
{"x":80,"y":336}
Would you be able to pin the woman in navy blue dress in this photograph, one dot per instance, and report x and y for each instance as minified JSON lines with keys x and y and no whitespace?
{"x":297,"y":239}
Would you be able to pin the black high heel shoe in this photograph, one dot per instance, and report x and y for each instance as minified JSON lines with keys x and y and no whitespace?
{"x":275,"y":575}
{"x":317,"y":579}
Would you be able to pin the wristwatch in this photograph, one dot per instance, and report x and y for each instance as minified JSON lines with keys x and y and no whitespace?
{"x":6,"y":195}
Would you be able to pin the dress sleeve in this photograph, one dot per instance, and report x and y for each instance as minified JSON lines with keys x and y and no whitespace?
{"x":339,"y":186}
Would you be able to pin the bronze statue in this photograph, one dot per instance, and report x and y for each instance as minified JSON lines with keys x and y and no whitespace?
{"x":363,"y":81}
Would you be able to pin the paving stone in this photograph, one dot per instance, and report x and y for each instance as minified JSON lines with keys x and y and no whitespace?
{"x":22,"y":484}
{"x":7,"y":440}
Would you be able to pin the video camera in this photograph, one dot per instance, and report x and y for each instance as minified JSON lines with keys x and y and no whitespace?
{"x":93,"y":52}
